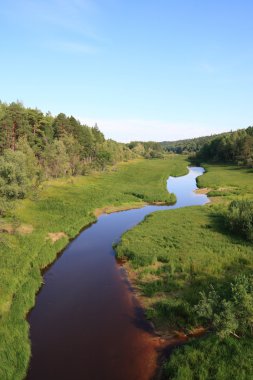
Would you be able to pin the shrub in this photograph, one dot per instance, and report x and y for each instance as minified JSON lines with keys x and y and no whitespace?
{"x":14,"y":177}
{"x":231,"y":312}
{"x":5,"y":206}
{"x":239,"y":218}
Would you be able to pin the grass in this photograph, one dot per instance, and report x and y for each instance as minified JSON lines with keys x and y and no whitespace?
{"x":173,"y":255}
{"x":228,"y":180}
{"x":226,"y":360}
{"x":177,"y":253}
{"x":64,"y":205}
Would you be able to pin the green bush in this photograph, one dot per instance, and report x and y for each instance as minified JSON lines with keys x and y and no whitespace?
{"x":5,"y":206}
{"x":239,"y":218}
{"x":229,"y":312}
{"x":14,"y":178}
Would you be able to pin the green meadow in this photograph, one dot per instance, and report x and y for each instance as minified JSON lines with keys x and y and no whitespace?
{"x":58,"y":211}
{"x":174,"y":255}
{"x":230,"y":181}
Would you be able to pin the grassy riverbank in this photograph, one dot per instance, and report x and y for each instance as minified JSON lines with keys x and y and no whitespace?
{"x":228,"y":181}
{"x":175,"y":254}
{"x":39,"y":228}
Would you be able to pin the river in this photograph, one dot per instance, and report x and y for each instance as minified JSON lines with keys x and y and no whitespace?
{"x":87,"y":323}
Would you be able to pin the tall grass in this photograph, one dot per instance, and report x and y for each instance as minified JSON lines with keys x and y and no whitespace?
{"x":176,"y":254}
{"x":210,"y":358}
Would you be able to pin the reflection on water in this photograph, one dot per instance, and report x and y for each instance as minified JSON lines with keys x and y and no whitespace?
{"x":184,"y":188}
{"x":87,"y":324}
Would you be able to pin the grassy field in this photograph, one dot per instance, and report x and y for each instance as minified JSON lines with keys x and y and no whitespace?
{"x":228,"y":181}
{"x":173,"y":255}
{"x":212,"y":359}
{"x":58,"y":212}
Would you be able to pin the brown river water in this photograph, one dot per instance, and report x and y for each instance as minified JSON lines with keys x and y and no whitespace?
{"x":87,"y":323}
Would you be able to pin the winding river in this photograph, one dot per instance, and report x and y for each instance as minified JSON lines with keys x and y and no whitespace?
{"x":87,"y":323}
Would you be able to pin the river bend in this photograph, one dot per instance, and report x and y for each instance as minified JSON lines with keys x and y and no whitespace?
{"x":87,"y":323}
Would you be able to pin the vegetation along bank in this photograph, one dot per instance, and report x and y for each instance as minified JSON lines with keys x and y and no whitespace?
{"x":57,"y":175}
{"x":197,"y":272}
{"x":39,"y":217}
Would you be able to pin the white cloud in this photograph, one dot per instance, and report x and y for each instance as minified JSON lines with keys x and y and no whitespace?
{"x":156,"y":130}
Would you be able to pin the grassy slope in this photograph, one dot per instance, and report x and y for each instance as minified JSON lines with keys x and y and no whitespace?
{"x":63,"y":206}
{"x":174,"y":254}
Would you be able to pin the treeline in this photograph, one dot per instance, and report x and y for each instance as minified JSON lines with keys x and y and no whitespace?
{"x":149,"y":149}
{"x":50,"y":137}
{"x":188,"y":145}
{"x":229,"y":147}
{"x":234,"y":147}
{"x":36,"y":146}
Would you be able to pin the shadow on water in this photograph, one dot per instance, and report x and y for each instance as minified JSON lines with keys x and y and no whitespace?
{"x":87,"y":322}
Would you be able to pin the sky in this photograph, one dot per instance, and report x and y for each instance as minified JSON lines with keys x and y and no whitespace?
{"x":140,"y":69}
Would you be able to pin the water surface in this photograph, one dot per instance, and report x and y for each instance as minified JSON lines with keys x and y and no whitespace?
{"x":87,"y":323}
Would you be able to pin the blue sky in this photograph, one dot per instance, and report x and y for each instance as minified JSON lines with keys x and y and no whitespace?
{"x":160,"y":70}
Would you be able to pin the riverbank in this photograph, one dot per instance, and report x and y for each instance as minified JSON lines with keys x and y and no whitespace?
{"x":187,"y":250}
{"x":63,"y":207}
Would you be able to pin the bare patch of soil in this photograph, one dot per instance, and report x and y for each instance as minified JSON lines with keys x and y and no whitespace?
{"x":111,"y":209}
{"x":23,"y":229}
{"x":54,"y":236}
{"x":204,"y":190}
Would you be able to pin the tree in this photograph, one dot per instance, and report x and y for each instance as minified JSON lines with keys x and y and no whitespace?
{"x":98,"y":135}
{"x":56,"y":159}
{"x":73,"y":150}
{"x":31,"y":162}
{"x":58,"y":145}
{"x":14,"y":176}
{"x":102,"y":159}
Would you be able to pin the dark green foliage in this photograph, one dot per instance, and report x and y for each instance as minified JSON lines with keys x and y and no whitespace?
{"x":230,"y":147}
{"x":249,"y":131}
{"x":14,"y":175}
{"x":188,"y":145}
{"x":234,"y":147}
{"x":178,"y":312}
{"x":239,"y":218}
{"x":103,"y":159}
{"x":149,"y":149}
{"x":62,"y":145}
{"x":14,"y":124}
{"x":231,"y":312}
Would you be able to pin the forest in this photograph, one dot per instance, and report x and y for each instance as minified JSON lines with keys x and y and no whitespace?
{"x":234,"y":147}
{"x":230,"y":147}
{"x":58,"y":145}
{"x":35,"y":147}
{"x":185,"y":146}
